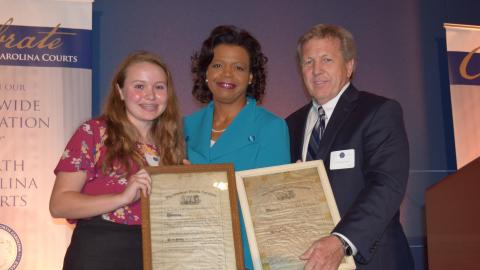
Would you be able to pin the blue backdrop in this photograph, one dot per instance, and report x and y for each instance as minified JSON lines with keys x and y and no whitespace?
{"x":402,"y":55}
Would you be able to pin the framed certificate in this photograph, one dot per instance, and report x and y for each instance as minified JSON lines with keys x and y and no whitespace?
{"x":190,"y":220}
{"x":286,"y":208}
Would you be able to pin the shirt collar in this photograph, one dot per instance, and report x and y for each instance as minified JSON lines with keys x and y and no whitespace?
{"x":330,"y":105}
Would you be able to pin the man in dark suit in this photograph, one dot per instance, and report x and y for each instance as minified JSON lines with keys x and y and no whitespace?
{"x":362,"y":141}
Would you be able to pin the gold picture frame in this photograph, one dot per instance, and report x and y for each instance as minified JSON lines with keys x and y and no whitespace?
{"x":190,"y":220}
{"x":285,"y":209}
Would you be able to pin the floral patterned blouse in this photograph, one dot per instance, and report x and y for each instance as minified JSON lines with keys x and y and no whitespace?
{"x":86,"y":152}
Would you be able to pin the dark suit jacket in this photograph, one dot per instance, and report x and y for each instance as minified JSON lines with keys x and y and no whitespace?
{"x":369,"y":195}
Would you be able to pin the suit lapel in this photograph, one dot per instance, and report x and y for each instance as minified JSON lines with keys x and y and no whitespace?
{"x":298,"y":132}
{"x":201,"y":143}
{"x":239,"y":133}
{"x":344,"y":107}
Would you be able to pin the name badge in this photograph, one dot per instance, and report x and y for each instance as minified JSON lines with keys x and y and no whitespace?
{"x":343,"y":159}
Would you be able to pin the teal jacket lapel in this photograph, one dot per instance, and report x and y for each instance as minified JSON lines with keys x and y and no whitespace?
{"x":240,"y":133}
{"x":201,"y":142}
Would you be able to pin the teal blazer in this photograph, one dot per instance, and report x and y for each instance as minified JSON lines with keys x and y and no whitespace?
{"x":255,"y":138}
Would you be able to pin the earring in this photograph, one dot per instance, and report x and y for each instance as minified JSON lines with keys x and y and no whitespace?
{"x":206,"y":80}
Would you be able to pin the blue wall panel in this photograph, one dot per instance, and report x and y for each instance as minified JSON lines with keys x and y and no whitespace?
{"x":402,"y":55}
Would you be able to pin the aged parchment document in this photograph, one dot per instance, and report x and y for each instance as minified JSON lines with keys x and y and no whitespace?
{"x":289,"y":207}
{"x":190,"y":221}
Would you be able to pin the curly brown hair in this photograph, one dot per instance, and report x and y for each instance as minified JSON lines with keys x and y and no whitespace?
{"x":122,"y":135}
{"x":231,"y":35}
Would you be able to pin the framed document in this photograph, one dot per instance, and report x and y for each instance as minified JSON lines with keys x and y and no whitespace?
{"x":286,"y":208}
{"x":190,"y":220}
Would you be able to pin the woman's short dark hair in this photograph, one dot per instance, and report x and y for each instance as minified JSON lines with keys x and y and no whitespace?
{"x":228,"y":34}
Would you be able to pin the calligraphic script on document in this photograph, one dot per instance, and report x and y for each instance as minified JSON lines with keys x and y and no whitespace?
{"x":190,"y":220}
{"x":285,"y":209}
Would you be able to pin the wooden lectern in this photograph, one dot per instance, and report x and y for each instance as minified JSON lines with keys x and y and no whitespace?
{"x":452,"y":209}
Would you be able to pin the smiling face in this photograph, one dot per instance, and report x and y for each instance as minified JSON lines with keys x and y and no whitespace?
{"x":229,"y":75}
{"x":324,"y":68}
{"x":145,"y":93}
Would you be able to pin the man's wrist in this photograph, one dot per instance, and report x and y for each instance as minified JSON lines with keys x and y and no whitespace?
{"x":347,"y":250}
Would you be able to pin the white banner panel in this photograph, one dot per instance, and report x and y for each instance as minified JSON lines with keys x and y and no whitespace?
{"x":463,"y":46}
{"x":45,"y":92}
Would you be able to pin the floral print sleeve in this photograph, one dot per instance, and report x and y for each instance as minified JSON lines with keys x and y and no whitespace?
{"x":82,"y":151}
{"x":86,"y":151}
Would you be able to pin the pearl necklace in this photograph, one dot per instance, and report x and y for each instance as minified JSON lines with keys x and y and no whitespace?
{"x":218,"y":131}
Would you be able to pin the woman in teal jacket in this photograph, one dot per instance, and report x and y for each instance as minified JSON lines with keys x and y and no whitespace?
{"x":229,"y":75}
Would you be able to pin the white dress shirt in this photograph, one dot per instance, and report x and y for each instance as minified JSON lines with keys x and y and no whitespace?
{"x":311,"y":120}
{"x":313,"y":116}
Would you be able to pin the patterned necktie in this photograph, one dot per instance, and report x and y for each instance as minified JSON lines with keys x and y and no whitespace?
{"x":316,"y":136}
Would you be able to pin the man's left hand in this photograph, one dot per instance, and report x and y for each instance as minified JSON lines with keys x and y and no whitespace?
{"x":324,"y":254}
